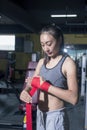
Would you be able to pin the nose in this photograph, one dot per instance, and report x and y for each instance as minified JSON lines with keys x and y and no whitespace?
{"x":46,"y":48}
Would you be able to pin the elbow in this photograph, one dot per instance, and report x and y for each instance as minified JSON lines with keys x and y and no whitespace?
{"x":74,"y":98}
{"x":74,"y":101}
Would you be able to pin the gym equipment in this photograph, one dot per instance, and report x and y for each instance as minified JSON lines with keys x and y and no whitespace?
{"x":8,"y":78}
{"x":83,"y":76}
{"x":86,"y":108}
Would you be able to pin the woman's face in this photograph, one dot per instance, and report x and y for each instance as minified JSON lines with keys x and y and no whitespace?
{"x":49,"y":44}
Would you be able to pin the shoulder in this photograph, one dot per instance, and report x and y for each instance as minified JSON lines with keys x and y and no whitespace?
{"x":39,"y":65}
{"x":41,"y":61}
{"x":69,"y":65}
{"x":69,"y":61}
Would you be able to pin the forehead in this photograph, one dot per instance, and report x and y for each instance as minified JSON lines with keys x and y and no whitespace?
{"x":46,"y":37}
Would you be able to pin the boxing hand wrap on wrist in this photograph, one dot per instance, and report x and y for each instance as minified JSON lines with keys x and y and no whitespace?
{"x":35,"y":82}
{"x":45,"y":86}
{"x":32,"y":91}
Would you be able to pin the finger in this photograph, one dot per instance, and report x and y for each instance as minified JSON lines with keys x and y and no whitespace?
{"x":26,"y":99}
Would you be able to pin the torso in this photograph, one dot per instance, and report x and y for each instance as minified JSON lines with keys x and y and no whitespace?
{"x":48,"y":102}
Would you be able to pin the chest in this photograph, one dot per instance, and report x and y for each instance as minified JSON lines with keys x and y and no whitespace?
{"x":53,"y":75}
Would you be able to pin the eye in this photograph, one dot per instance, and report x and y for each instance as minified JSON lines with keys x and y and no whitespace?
{"x":49,"y":43}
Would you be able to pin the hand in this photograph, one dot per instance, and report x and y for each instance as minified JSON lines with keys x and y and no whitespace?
{"x":25,"y":97}
{"x":39,"y":82}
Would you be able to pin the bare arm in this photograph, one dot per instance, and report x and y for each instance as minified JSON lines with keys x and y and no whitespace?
{"x":37,"y":71}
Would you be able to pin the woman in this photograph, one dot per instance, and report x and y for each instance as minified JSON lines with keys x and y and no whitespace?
{"x":56,"y":79}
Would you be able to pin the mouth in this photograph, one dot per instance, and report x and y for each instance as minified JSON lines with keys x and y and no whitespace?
{"x":49,"y":53}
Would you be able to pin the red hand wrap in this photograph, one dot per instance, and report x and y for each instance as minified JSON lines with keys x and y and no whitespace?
{"x":45,"y":86}
{"x":29,"y":116}
{"x":35,"y":82}
{"x":29,"y":111}
{"x":32,"y":91}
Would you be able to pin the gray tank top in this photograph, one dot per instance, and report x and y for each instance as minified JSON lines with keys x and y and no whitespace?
{"x":55,"y":75}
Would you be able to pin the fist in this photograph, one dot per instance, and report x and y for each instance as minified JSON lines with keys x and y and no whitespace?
{"x":25,"y":97}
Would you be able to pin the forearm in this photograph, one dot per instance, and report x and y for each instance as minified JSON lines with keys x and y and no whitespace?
{"x":66,"y":95}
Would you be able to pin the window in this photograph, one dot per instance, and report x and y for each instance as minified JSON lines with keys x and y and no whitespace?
{"x":7,"y":42}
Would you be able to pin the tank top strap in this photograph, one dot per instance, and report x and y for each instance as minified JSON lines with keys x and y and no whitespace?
{"x":65,"y":55}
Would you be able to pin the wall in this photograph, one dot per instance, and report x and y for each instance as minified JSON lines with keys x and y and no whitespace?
{"x":75,"y":38}
{"x":22,"y":58}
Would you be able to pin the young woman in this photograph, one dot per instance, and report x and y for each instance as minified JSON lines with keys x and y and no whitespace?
{"x":56,"y":79}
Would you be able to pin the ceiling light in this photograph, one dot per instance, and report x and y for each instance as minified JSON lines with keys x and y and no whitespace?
{"x":64,"y":15}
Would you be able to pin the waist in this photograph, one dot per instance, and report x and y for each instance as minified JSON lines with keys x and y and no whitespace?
{"x":53,"y":111}
{"x":49,"y":102}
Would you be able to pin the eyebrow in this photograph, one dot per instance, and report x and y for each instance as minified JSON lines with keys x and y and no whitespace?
{"x":46,"y":42}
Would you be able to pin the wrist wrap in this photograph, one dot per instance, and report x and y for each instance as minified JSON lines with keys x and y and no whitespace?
{"x":32,"y":91}
{"x":45,"y":86}
{"x":35,"y":82}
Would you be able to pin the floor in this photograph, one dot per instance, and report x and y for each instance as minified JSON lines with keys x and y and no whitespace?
{"x":11,"y":117}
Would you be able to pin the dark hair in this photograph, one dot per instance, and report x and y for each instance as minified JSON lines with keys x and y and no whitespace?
{"x":56,"y":32}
